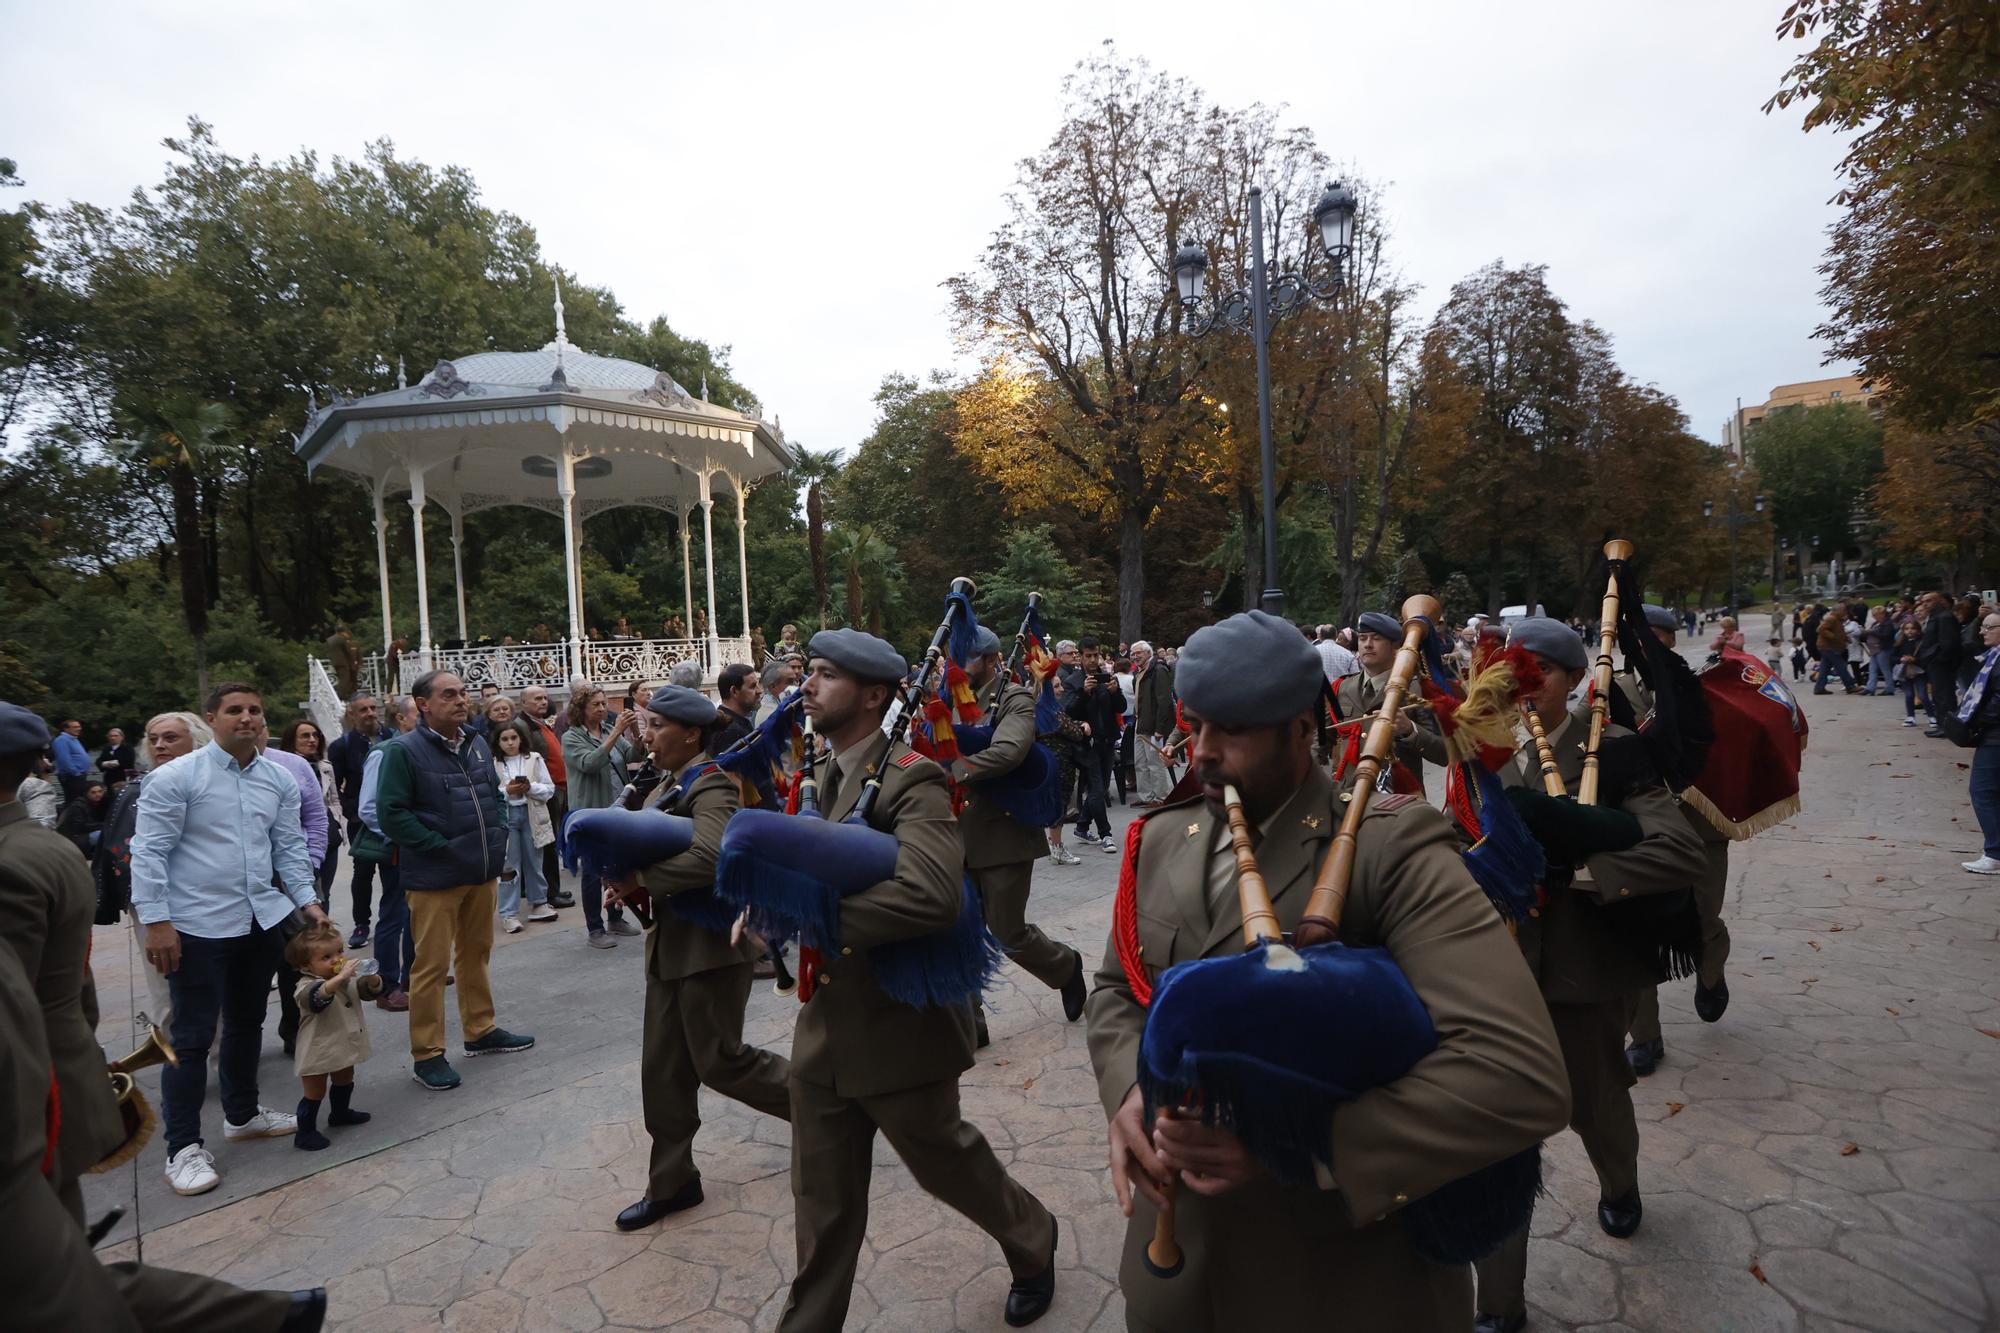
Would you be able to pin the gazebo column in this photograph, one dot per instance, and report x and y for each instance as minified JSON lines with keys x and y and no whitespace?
{"x":566,"y":488}
{"x":423,"y":583}
{"x":382,"y":568}
{"x":458,"y":567}
{"x":743,"y":555}
{"x":687,"y":574}
{"x":708,"y":566}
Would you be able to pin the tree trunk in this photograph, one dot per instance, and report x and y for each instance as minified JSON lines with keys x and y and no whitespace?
{"x":854,"y":592}
{"x":1131,"y":571}
{"x":1494,"y":585}
{"x":816,"y":539}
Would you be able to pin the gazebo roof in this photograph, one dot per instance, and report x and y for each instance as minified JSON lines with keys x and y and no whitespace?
{"x":486,"y":429}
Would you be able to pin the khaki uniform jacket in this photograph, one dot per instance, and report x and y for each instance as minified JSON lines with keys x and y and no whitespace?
{"x":992,"y":836}
{"x":852,"y":1038}
{"x":1272,"y":1256}
{"x":46,"y":905}
{"x":1355,"y":697}
{"x":336,"y":1037}
{"x":676,"y":948}
{"x":1571,"y":948}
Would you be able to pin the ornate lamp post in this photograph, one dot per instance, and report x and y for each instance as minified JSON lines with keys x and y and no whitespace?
{"x":1255,"y":310}
{"x":1734,"y":521}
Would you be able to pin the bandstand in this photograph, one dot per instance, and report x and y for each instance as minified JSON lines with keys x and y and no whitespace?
{"x":557,"y":429}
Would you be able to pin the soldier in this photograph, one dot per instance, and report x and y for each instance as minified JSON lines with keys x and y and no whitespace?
{"x":697,"y":982}
{"x":1711,"y":989}
{"x":1000,"y":851}
{"x":1585,"y":946}
{"x":862,"y":1062}
{"x":48,"y":1044}
{"x":1417,"y":736}
{"x":1260,"y":1254}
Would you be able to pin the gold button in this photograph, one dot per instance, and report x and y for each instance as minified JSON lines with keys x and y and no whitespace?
{"x":1624,"y":893}
{"x":1346,"y":796}
{"x":1402,"y":1198}
{"x":826,"y":978}
{"x":845,"y":951}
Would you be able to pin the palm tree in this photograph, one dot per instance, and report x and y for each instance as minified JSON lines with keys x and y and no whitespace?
{"x":815,"y":467}
{"x":873,"y":574}
{"x":174,"y":436}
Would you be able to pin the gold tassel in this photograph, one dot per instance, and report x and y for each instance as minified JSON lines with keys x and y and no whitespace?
{"x":1486,"y":717}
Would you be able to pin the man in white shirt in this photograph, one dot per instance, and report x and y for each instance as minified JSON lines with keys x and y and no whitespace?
{"x":1335,"y":660}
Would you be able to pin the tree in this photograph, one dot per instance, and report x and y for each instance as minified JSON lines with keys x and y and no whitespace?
{"x":179,"y":437}
{"x":1817,"y":464}
{"x":1032,"y":562}
{"x":1929,"y":511}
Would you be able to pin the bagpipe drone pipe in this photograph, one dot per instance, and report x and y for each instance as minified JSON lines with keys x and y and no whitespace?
{"x":793,"y":872}
{"x":1030,"y":792}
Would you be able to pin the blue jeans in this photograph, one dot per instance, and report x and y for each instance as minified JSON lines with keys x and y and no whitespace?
{"x":1881,"y":672}
{"x":230,"y":981}
{"x":1830,"y":661}
{"x":395,"y":949}
{"x":1986,"y":795}
{"x":525,"y":860}
{"x":592,"y":895}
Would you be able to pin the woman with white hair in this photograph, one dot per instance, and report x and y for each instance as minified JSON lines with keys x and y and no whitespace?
{"x":168,"y":737}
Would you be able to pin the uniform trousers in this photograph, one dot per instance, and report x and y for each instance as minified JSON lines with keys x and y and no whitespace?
{"x":1592,"y":1037}
{"x":443,"y":921}
{"x":1004,"y":890}
{"x":694,"y":1038}
{"x":1709,"y":891}
{"x":833,"y":1140}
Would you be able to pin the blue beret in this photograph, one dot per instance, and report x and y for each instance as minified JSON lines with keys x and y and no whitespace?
{"x":1551,"y":639}
{"x":1251,"y":670}
{"x":1378,"y":622}
{"x":860,"y":654}
{"x":1661,"y":618}
{"x":21,"y":732}
{"x":985,"y":642}
{"x":678,"y":703}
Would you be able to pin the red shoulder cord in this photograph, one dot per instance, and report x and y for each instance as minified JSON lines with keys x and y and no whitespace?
{"x":1125,"y":918}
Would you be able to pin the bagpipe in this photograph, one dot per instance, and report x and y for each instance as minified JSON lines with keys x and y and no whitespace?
{"x":792,"y":872}
{"x":1030,"y":792}
{"x":618,"y":840}
{"x":1211,"y":1046}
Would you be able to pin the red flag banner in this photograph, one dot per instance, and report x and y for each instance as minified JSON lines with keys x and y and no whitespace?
{"x":1751,"y":779}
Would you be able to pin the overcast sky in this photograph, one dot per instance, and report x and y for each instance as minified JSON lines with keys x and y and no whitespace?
{"x":794,"y":180}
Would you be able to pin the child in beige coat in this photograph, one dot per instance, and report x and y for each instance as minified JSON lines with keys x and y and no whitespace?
{"x":333,"y":1035}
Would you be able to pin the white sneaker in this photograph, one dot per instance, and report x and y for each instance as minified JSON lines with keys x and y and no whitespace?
{"x":1985,"y":865}
{"x":192,"y":1171}
{"x":266,"y":1124}
{"x":542,"y":912}
{"x":1110,"y":845}
{"x":512,"y":925}
{"x":1909,"y":722}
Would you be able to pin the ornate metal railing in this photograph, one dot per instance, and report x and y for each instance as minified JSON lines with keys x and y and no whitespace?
{"x":514,"y":667}
{"x":323,"y":701}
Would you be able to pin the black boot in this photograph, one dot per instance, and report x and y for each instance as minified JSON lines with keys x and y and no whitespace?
{"x":1075,"y":992}
{"x":648,"y":1211}
{"x":342,"y":1113}
{"x":1619,"y":1217}
{"x":1645,"y":1056}
{"x":307,"y":1135}
{"x":1029,"y":1298}
{"x":307,"y":1313}
{"x":1709,"y":1004}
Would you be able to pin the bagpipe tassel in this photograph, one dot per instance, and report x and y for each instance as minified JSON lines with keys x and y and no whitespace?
{"x":1466,"y":1219}
{"x":1507,"y":861}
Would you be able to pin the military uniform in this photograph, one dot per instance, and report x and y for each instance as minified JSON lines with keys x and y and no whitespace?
{"x":1272,"y":1256}
{"x":1001,"y":851}
{"x":862,"y":1062}
{"x":1711,"y":888}
{"x":697,"y":984}
{"x":1588,"y":974}
{"x":1360,"y":694}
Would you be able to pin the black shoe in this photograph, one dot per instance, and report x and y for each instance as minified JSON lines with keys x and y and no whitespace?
{"x":1500,"y":1323}
{"x":1709,"y":1004}
{"x":1620,"y":1217}
{"x":648,"y":1211}
{"x":1030,"y":1297}
{"x":980,"y":1038}
{"x":308,"y":1312}
{"x":1934,"y":733}
{"x":1644,"y":1056}
{"x":1075,"y":992}
{"x":559,"y":898}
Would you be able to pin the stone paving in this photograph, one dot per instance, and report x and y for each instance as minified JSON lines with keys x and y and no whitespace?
{"x":1823,"y":1159}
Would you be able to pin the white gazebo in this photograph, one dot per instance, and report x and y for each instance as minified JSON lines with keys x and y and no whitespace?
{"x":557,"y":429}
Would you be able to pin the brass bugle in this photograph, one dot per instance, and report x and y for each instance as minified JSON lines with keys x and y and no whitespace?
{"x":133,"y":1108}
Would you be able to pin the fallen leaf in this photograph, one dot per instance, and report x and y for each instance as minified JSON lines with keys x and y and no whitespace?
{"x":1757,"y":1272}
{"x":1849,"y":1149}
{"x":1811,"y":980}
{"x":1881,"y":879}
{"x":1894,"y":1010}
{"x":1835,"y":929}
{"x":1675,"y":1108}
{"x":1992,"y":1032}
{"x":1902,"y":775}
{"x":1814,"y":943}
{"x":1002,"y":1064}
{"x":1029,"y":1084}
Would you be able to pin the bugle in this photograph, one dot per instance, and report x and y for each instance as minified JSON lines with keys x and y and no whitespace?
{"x":133,"y":1108}
{"x":1616,"y":553}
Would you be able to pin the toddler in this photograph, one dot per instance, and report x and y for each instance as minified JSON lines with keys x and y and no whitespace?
{"x":333,"y":1037}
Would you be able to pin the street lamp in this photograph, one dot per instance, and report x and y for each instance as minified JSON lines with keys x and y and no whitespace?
{"x":1256,"y":309}
{"x":1734,"y":521}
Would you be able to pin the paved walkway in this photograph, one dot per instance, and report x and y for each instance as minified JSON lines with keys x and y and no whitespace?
{"x":1822,"y":1159}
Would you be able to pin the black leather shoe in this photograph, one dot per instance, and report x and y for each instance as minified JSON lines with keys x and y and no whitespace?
{"x":1030,"y":1297}
{"x":560,"y":898}
{"x":1644,"y":1056}
{"x":1500,"y":1323}
{"x":1710,"y":1003}
{"x":1620,"y":1217}
{"x":981,"y":1039}
{"x":648,"y":1211}
{"x":1075,"y":992}
{"x":308,"y":1312}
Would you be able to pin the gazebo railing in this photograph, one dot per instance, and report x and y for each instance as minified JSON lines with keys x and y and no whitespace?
{"x":323,"y":700}
{"x":514,"y":667}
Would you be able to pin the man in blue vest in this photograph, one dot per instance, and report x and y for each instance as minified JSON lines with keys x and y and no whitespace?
{"x":438,"y":801}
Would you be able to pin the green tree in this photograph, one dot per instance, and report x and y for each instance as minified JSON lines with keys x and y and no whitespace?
{"x":1817,"y":464}
{"x":1031,"y":561}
